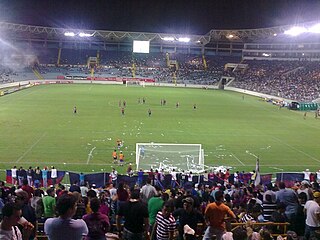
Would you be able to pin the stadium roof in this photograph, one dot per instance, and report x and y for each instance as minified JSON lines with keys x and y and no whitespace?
{"x":21,"y":31}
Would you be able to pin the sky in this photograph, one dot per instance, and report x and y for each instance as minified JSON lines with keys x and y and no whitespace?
{"x":160,"y":16}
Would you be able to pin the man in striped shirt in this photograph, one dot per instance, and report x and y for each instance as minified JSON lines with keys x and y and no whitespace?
{"x":166,"y":223}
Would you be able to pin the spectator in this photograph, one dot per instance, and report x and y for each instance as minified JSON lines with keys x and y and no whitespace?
{"x":11,"y":213}
{"x":147,"y":191}
{"x":64,"y":226}
{"x":49,"y":203}
{"x":214,"y":215}
{"x":312,"y":209}
{"x":136,"y":218}
{"x":97,"y":223}
{"x":187,"y":215}
{"x":165,"y":223}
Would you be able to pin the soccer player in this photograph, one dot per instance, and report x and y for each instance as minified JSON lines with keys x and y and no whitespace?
{"x":121,"y":158}
{"x":124,"y":103}
{"x":177,"y":104}
{"x":194,"y":106}
{"x":143,"y":100}
{"x":115,"y":156}
{"x":305,"y":115}
{"x":119,"y":143}
{"x":149,"y":112}
{"x":122,"y":111}
{"x":75,"y":110}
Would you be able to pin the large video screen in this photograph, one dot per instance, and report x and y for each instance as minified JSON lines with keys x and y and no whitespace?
{"x":141,"y":46}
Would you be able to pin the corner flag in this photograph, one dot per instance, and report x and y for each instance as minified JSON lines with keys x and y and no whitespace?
{"x":257,"y":179}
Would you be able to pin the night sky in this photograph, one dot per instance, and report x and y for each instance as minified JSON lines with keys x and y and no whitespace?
{"x":166,"y":16}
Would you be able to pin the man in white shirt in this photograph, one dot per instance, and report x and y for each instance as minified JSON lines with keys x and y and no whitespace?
{"x":114,"y":176}
{"x":307,"y":175}
{"x":11,"y":213}
{"x":312,"y":210}
{"x":54,"y":175}
{"x":14,"y":175}
{"x":173,"y":178}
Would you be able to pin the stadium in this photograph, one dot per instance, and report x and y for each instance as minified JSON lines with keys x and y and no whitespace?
{"x":230,"y":75}
{"x":232,"y":112}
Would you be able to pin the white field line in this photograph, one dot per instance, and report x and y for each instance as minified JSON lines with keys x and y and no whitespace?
{"x":111,"y":164}
{"x":31,"y":147}
{"x":238,"y":159}
{"x":90,"y":155}
{"x":302,"y":152}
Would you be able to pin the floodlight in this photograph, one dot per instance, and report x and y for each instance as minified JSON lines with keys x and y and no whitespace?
{"x":230,"y":36}
{"x":184,"y":39}
{"x":295,"y":31}
{"x":275,"y":34}
{"x":266,"y":54}
{"x":168,"y":38}
{"x":69,"y":34}
{"x":82,"y":34}
{"x":315,"y":28}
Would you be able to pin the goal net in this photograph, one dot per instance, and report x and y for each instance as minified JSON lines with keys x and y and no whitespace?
{"x":187,"y":157}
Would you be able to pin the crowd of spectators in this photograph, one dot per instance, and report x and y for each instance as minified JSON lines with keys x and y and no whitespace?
{"x":295,"y":80}
{"x":147,"y":210}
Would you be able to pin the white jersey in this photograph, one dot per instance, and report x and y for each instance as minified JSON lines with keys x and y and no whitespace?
{"x":14,"y":172}
{"x":54,"y":173}
{"x":306,"y":175}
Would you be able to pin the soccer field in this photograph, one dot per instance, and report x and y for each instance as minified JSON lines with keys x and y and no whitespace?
{"x":39,"y":128}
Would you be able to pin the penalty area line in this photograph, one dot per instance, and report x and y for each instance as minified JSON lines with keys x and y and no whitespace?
{"x":238,"y":159}
{"x":90,"y":155}
{"x":31,"y":147}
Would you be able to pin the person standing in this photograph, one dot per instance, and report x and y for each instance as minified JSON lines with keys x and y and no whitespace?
{"x":121,"y":158}
{"x":22,"y":174}
{"x":140,"y":177}
{"x":14,"y":175}
{"x":64,"y":227}
{"x":37,"y":177}
{"x":312,"y":210}
{"x":188,"y":215}
{"x":45,"y":177}
{"x":149,"y":112}
{"x":114,"y":176}
{"x":136,"y":218}
{"x":98,"y":224}
{"x":30,"y":174}
{"x":74,"y":110}
{"x":115,"y":156}
{"x":215,"y":214}
{"x":49,"y":203}
{"x":148,"y":191}
{"x":166,"y":223}
{"x":290,"y":199}
{"x":122,"y":111}
{"x":54,"y":175}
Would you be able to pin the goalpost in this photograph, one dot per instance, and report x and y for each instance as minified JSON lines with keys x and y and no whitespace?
{"x":166,"y":156}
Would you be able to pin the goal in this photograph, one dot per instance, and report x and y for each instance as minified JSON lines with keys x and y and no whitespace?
{"x":166,"y":156}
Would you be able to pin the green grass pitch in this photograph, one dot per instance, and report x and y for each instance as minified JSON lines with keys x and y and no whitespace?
{"x":38,"y":127}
